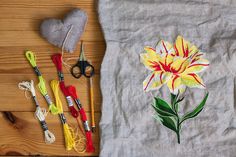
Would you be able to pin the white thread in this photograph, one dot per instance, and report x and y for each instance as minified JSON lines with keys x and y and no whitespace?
{"x":39,"y":113}
{"x":65,"y":62}
{"x":28,"y":86}
{"x":27,"y":95}
{"x":49,"y":136}
{"x":62,"y":49}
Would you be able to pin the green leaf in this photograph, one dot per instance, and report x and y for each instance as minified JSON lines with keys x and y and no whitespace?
{"x":176,"y":105}
{"x":161,"y":112}
{"x":196,"y":111}
{"x":179,"y":100}
{"x":163,"y":108}
{"x":157,"y":118}
{"x":173,"y":98}
{"x":167,"y":121}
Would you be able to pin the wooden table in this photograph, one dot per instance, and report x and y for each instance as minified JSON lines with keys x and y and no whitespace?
{"x":21,"y":134}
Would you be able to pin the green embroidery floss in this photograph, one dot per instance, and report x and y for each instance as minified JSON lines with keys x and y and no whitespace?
{"x":42,"y":87}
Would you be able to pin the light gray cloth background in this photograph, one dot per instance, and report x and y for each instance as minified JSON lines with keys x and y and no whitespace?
{"x":128,"y":128}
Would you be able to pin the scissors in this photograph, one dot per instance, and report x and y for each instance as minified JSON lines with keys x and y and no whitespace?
{"x":82,"y":67}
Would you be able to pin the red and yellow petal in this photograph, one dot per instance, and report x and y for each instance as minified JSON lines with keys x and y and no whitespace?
{"x":184,"y":48}
{"x":155,"y":80}
{"x":180,"y":46}
{"x":164,"y":47}
{"x":198,"y":66}
{"x":150,"y":62}
{"x":175,"y":84}
{"x":192,"y":80}
{"x":179,"y":64}
{"x":192,"y":50}
{"x":169,"y":58}
{"x":152,"y":53}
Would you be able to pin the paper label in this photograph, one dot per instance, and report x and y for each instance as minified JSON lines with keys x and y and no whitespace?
{"x":69,"y":101}
{"x":48,"y":99}
{"x":86,"y":126}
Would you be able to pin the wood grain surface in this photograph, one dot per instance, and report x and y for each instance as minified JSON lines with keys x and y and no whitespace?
{"x":20,"y":133}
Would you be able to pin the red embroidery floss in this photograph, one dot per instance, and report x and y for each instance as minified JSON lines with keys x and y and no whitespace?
{"x":70,"y":92}
{"x":58,"y":63}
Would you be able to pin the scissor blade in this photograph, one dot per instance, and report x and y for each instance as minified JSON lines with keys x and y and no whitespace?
{"x":82,"y":56}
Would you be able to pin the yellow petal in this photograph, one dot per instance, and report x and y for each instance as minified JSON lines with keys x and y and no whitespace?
{"x":164,"y":47}
{"x":200,"y":60}
{"x":152,"y":54}
{"x":155,"y":80}
{"x":149,"y":63}
{"x":179,"y":64}
{"x":184,"y":48}
{"x":175,"y":84}
{"x":169,"y":59}
{"x":192,"y":50}
{"x":144,"y":58}
{"x":192,"y":80}
{"x":198,"y":66}
{"x":180,"y":46}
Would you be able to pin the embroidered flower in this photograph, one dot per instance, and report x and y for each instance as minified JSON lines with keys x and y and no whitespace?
{"x":177,"y":66}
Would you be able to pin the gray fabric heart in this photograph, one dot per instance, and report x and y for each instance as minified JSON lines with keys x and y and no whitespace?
{"x":70,"y":28}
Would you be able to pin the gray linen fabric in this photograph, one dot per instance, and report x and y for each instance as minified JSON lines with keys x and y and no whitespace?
{"x":128,"y":128}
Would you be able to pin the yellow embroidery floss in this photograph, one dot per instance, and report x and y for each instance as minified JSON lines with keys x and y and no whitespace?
{"x":69,"y":135}
{"x":42,"y":87}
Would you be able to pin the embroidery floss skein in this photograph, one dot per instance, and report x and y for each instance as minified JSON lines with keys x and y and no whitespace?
{"x":39,"y":112}
{"x":42,"y":87}
{"x":88,"y":133}
{"x":70,"y":138}
{"x":57,"y":60}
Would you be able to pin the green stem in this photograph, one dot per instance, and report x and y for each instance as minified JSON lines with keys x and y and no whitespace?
{"x":178,"y":130}
{"x":178,"y":137}
{"x":175,"y":106}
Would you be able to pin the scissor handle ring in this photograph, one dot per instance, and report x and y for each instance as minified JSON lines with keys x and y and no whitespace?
{"x":77,"y":75}
{"x":88,"y":75}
